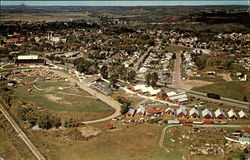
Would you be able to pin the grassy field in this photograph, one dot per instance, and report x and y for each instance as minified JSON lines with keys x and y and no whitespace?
{"x":11,"y":146}
{"x":62,"y":16}
{"x":234,"y":89}
{"x":176,"y":147}
{"x":70,"y":101}
{"x":126,"y":142}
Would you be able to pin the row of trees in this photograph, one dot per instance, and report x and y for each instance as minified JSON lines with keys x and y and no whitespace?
{"x":151,"y":79}
{"x":44,"y":120}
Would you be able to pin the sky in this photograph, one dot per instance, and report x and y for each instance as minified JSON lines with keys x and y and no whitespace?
{"x":126,"y":3}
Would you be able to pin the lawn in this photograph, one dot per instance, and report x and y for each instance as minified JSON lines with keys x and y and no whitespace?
{"x":235,"y":89}
{"x":67,"y":102}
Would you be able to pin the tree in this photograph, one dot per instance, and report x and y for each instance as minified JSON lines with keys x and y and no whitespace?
{"x":245,"y":99}
{"x":131,"y":76}
{"x":148,"y":79}
{"x":154,"y":79}
{"x":104,"y":72}
{"x":124,"y":108}
{"x":113,"y":79}
{"x":44,"y":121}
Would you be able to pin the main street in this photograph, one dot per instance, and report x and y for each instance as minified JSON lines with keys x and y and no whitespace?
{"x":22,"y":135}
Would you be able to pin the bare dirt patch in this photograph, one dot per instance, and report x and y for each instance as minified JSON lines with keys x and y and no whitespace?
{"x":56,"y":99}
{"x":189,"y":84}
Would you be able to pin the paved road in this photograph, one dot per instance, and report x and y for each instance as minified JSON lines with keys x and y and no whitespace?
{"x":140,"y":60}
{"x":208,"y":126}
{"x":22,"y":135}
{"x":176,"y":81}
{"x":110,"y":101}
{"x":224,"y":100}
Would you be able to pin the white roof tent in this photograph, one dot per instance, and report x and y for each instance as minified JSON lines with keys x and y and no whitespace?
{"x":242,"y":114}
{"x":145,"y":89}
{"x":232,"y":114}
{"x":194,"y":111}
{"x":219,"y":112}
{"x":181,"y":110}
{"x":24,"y":57}
{"x":206,"y":112}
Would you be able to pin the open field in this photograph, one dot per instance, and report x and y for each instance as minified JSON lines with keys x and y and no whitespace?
{"x":62,"y":16}
{"x":234,"y":90}
{"x":11,"y":146}
{"x":125,"y":142}
{"x":66,"y":101}
{"x":183,"y":137}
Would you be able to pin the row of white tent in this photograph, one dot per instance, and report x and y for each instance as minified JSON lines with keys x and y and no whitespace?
{"x":206,"y":113}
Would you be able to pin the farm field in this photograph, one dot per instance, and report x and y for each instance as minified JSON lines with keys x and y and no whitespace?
{"x":63,"y":99}
{"x":234,"y":90}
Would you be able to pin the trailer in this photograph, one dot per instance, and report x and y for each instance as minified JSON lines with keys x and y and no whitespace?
{"x":198,"y":122}
{"x":214,"y":96}
{"x":173,"y":122}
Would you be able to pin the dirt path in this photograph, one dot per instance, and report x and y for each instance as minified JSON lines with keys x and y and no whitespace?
{"x":177,"y":82}
{"x":111,"y":102}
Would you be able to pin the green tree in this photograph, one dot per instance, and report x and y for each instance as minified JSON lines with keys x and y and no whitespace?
{"x":154,"y":79}
{"x":148,"y":79}
{"x":104,"y":72}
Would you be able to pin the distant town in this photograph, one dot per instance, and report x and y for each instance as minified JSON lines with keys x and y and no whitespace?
{"x":125,"y":83}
